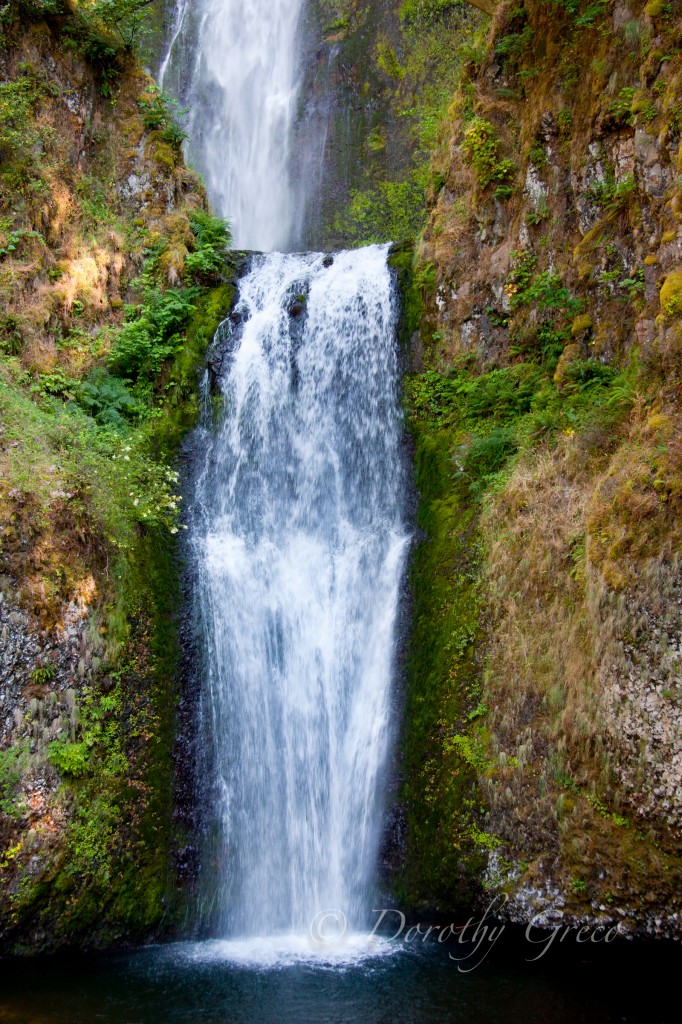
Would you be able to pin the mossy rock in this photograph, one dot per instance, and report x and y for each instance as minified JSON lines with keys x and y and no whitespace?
{"x":581,"y":324}
{"x":671,"y":294}
{"x":571,"y":354}
{"x":655,"y":8}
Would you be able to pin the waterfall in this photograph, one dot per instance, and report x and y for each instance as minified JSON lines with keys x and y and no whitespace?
{"x":296,"y":523}
{"x":299,"y":539}
{"x":233,"y":64}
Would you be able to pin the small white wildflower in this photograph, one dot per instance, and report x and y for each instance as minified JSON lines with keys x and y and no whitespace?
{"x":174,"y":529}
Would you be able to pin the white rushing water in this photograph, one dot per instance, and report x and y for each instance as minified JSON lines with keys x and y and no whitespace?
{"x":234,"y":64}
{"x":300,"y":543}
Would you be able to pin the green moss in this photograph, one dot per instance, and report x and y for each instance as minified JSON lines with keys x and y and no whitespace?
{"x":12,"y":763}
{"x":443,"y":684}
{"x":656,"y":8}
{"x":386,"y":211}
{"x":581,"y":324}
{"x":409,"y":67}
{"x":401,"y":260}
{"x":387,"y":59}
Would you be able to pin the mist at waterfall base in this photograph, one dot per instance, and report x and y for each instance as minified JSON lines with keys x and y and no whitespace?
{"x":299,"y":541}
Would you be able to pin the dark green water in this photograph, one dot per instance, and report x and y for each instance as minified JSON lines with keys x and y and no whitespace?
{"x":198,"y":985}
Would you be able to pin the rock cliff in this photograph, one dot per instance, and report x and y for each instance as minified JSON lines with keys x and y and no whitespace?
{"x":544,"y":722}
{"x":111,"y":282}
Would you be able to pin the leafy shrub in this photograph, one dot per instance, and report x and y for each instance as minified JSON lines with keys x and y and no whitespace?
{"x":545,"y":290}
{"x":427,"y":12}
{"x":481,"y":147}
{"x":69,"y":758}
{"x":162,"y":114}
{"x":18,"y":135}
{"x":584,"y":13}
{"x":56,"y":385}
{"x":13,"y":240}
{"x":620,"y":109}
{"x":93,"y":201}
{"x":515,"y":45}
{"x":613,"y":195}
{"x":151,"y":333}
{"x":42,"y":8}
{"x":125,"y":17}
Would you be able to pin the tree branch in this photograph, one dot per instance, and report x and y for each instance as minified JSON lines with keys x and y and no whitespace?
{"x":487,"y":6}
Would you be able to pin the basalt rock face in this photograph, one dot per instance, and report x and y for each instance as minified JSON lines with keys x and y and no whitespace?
{"x":551,"y":258}
{"x":591,"y":136}
{"x":342,"y":102}
{"x":376,"y":80}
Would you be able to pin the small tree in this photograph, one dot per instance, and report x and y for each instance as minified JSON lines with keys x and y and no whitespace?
{"x":125,"y":17}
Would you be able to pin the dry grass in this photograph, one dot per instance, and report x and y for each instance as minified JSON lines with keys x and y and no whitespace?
{"x":583,"y":681}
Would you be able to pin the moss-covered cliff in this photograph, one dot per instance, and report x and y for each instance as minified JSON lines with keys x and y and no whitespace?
{"x":378,"y":79}
{"x":112,"y":283}
{"x":544,"y":714}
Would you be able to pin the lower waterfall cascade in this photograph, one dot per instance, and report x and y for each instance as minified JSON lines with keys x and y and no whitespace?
{"x":298,"y":534}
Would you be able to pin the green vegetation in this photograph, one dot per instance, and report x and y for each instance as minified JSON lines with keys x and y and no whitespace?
{"x":443,"y":678}
{"x":583,"y":12}
{"x":162,"y":114}
{"x":18,"y":132}
{"x":427,"y":12}
{"x":123,"y":19}
{"x":12,"y":764}
{"x":481,"y":146}
{"x":392,"y":210}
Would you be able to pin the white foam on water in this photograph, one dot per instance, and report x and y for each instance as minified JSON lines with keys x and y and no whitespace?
{"x":293,"y":950}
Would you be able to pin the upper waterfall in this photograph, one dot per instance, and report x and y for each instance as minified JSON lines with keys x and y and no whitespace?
{"x":234,"y":64}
